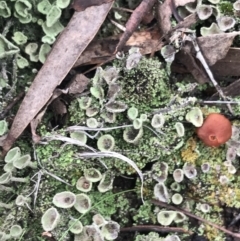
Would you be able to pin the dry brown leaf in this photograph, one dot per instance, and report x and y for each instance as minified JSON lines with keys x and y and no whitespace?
{"x":58,"y":107}
{"x":164,"y":13}
{"x":98,"y":51}
{"x":148,"y":41}
{"x":232,"y":90}
{"x":81,"y":5}
{"x":215,"y":47}
{"x":81,"y":29}
{"x":186,"y":58}
{"x":78,"y":84}
{"x":228,"y":66}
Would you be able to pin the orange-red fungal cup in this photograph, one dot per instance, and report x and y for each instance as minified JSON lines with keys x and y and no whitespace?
{"x":216,"y":130}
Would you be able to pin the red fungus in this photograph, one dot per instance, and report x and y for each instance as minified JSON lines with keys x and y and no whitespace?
{"x":216,"y":130}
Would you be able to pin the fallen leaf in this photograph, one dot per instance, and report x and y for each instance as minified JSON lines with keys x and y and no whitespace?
{"x":78,"y":84}
{"x":148,"y":41}
{"x":100,"y":50}
{"x":59,"y":107}
{"x":229,"y":65}
{"x":232,"y":90}
{"x":186,"y":58}
{"x":215,"y":47}
{"x":81,"y":5}
{"x":81,"y":29}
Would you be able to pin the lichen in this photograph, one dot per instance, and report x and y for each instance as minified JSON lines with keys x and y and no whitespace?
{"x":108,"y":101}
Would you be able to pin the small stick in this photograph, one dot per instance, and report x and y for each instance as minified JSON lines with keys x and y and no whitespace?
{"x":156,"y":228}
{"x":134,"y":21}
{"x":165,"y":205}
{"x":236,"y":219}
{"x":123,"y":9}
{"x":206,"y":67}
{"x":118,"y":25}
{"x":220,"y":102}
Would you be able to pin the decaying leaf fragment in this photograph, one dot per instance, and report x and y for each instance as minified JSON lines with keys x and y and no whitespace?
{"x":78,"y":84}
{"x":101,"y":49}
{"x":186,"y":57}
{"x":215,"y":47}
{"x":81,"y":29}
{"x":229,"y":65}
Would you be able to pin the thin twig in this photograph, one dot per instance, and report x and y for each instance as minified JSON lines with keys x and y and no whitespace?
{"x":119,"y":26}
{"x":156,"y":228}
{"x":122,"y":9}
{"x":134,"y":21}
{"x":220,"y":102}
{"x":236,"y":219}
{"x":165,"y":205}
{"x":206,"y":67}
{"x":85,"y":128}
{"x":189,"y":102}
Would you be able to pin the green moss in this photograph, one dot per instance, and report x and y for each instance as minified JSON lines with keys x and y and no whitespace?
{"x":226,"y":8}
{"x":144,"y":214}
{"x":145,"y":86}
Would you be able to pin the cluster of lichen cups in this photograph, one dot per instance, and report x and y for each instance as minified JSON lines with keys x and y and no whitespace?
{"x":107,"y":104}
{"x":15,"y":161}
{"x":3,"y":127}
{"x":233,"y":150}
{"x":15,"y":232}
{"x":160,"y":170}
{"x":204,"y":11}
{"x":100,"y":227}
{"x":158,"y":121}
{"x":26,"y":13}
{"x":94,"y":104}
